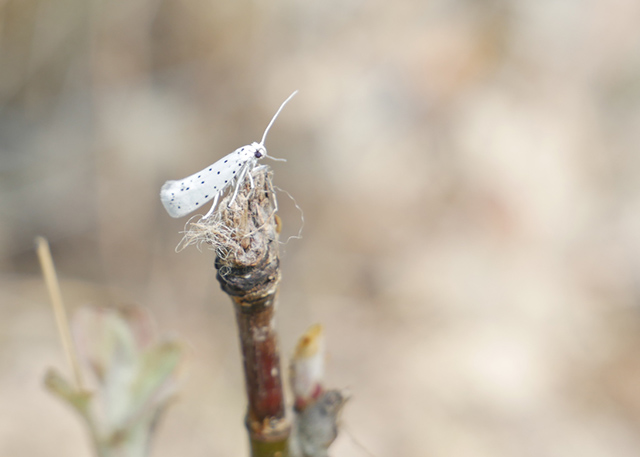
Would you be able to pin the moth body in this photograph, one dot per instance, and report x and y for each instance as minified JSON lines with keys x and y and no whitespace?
{"x":189,"y":194}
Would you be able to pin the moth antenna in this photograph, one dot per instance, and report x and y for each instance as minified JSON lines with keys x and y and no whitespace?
{"x":277,"y":159}
{"x":264,"y":136}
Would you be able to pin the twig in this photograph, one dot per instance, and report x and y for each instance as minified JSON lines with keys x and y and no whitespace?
{"x":245,"y":238}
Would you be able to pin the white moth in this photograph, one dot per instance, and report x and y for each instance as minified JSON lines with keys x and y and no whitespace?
{"x":189,"y":194}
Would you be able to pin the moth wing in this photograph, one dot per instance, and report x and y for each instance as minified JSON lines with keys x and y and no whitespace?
{"x":182,"y":197}
{"x":176,"y":207}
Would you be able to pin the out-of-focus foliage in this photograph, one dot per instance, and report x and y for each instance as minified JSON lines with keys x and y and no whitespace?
{"x":133,"y":374}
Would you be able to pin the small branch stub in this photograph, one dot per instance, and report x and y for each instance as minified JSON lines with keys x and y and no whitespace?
{"x":317,"y":410}
{"x":307,"y":368}
{"x":245,"y":239}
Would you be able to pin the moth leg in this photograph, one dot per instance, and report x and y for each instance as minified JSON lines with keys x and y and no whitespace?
{"x":238,"y":184}
{"x":213,"y":207}
{"x":251,"y":181}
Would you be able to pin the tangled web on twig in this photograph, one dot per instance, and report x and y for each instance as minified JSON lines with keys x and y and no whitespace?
{"x":238,"y":231}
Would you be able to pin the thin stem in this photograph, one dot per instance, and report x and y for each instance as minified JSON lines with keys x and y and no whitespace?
{"x":53,"y":286}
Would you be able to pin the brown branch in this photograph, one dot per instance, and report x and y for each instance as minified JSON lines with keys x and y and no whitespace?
{"x":245,"y":237}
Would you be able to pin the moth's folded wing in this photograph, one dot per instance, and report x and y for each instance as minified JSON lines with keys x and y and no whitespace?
{"x":176,"y":200}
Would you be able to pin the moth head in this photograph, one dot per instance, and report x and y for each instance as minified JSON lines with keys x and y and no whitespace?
{"x":259,"y":150}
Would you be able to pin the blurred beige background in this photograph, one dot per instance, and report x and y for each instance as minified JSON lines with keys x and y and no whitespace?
{"x":469,"y":175}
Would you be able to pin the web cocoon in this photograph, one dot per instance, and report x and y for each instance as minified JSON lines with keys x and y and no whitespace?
{"x":238,"y":233}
